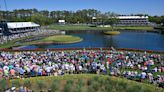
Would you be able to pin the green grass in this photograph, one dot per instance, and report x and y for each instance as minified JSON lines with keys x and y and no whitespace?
{"x":89,"y":83}
{"x":58,"y":39}
{"x":62,"y":39}
{"x":86,"y":27}
{"x":75,"y":27}
{"x":147,"y":28}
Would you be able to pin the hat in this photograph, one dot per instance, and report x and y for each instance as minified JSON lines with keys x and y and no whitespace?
{"x":13,"y":88}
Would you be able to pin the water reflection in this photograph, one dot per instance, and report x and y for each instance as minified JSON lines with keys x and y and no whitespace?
{"x":110,"y":41}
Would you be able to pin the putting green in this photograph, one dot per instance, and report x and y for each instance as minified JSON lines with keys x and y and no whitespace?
{"x":60,"y":39}
{"x":63,"y":39}
{"x":112,"y":32}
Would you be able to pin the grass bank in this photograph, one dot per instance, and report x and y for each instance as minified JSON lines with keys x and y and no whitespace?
{"x":84,"y":83}
{"x":86,"y":27}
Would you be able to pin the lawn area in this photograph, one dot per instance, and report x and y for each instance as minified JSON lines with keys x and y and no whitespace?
{"x":86,"y":27}
{"x":84,"y":83}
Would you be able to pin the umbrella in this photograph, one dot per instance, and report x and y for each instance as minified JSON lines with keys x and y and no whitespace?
{"x":5,"y":68}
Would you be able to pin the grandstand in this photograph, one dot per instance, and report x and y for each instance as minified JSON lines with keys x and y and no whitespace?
{"x":133,"y":21}
{"x":9,"y":28}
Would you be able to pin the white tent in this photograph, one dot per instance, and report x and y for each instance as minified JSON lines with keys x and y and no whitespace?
{"x":12,"y":25}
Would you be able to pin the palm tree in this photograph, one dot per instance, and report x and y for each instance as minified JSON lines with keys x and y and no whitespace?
{"x":112,"y":19}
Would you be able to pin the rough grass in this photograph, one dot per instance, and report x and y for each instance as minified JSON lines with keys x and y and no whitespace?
{"x":90,"y":83}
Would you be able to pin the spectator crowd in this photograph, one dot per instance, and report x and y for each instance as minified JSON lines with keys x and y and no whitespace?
{"x":139,"y":66}
{"x":5,"y":39}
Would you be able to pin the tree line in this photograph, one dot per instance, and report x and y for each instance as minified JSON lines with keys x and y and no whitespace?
{"x":45,"y":17}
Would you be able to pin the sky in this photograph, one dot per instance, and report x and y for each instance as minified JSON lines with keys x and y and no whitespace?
{"x":151,"y":7}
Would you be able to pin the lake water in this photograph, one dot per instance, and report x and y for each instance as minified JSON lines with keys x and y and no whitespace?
{"x":127,"y":39}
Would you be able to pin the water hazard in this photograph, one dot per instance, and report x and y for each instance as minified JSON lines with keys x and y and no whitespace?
{"x":127,"y":39}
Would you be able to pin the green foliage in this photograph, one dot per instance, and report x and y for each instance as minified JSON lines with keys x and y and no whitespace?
{"x":55,"y":86}
{"x":90,"y":83}
{"x":27,"y":83}
{"x":41,"y":19}
{"x":95,"y":78}
{"x":95,"y":85}
{"x":91,"y":89}
{"x":16,"y":83}
{"x":68,"y":86}
{"x":133,"y":88}
{"x":109,"y":84}
{"x":3,"y":84}
{"x":122,"y":84}
{"x":156,"y":19}
{"x":45,"y":17}
{"x":81,"y":82}
{"x":40,"y":84}
{"x":79,"y":86}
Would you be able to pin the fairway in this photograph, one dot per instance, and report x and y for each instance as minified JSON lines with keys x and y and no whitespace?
{"x":88,"y":27}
